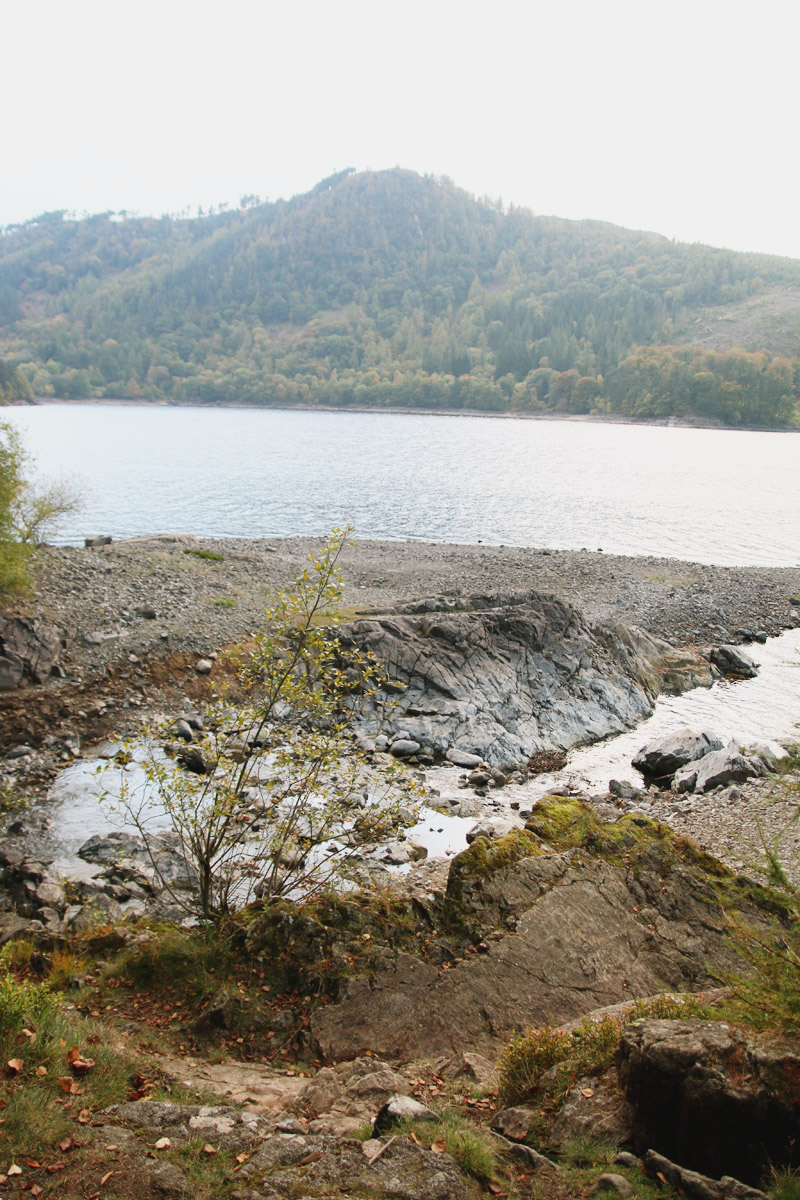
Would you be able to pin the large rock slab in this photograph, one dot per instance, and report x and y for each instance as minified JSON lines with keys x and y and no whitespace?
{"x":571,"y":933}
{"x":505,"y":683}
{"x":713,"y":1098}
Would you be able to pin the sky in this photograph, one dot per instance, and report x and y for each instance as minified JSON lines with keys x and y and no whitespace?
{"x":679,"y":118}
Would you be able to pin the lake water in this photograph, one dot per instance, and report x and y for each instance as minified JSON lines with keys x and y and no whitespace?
{"x":718,"y":496}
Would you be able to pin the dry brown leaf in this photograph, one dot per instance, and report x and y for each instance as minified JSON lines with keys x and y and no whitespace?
{"x":81,"y":1065}
{"x":415,"y":1139}
{"x":438,"y":1147}
{"x":35,"y":1190}
{"x":15,"y":1065}
{"x":29,"y":1033}
{"x":243,"y":1157}
{"x":66,"y":1145}
{"x":52,"y":1168}
{"x":106,"y":1177}
{"x":73,"y":1053}
{"x":309,"y":1158}
{"x":495,"y":1189}
{"x":31,"y":1162}
{"x":209,"y":1149}
{"x":84,"y":1116}
{"x":41,"y":1071}
{"x":587,"y":1092}
{"x":14,"y":1170}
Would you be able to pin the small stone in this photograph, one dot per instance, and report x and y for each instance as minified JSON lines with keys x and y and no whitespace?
{"x":146,"y":611}
{"x":401,"y":1108}
{"x":613,"y":1183}
{"x":203,"y":666}
{"x":404,"y":748}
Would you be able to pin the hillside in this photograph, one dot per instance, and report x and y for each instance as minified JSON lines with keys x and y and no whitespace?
{"x":386,"y":288}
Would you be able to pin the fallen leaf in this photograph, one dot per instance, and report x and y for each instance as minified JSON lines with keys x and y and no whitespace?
{"x":14,"y":1170}
{"x":111,"y":1148}
{"x":54,"y":1167}
{"x":106,"y":1177}
{"x":162,"y":1144}
{"x":66,"y":1145}
{"x":84,"y":1116}
{"x":415,"y":1139}
{"x":29,"y":1033}
{"x":15,"y":1065}
{"x":35,"y":1190}
{"x":81,"y":1065}
{"x":40,"y":1071}
{"x":438,"y":1147}
{"x":73,"y":1053}
{"x":662,"y":1177}
{"x":209,"y":1149}
{"x":495,"y":1189}
{"x":587,"y":1092}
{"x":31,"y":1162}
{"x":243,"y":1157}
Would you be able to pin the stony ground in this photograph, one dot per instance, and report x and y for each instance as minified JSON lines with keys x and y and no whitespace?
{"x":203,"y":603}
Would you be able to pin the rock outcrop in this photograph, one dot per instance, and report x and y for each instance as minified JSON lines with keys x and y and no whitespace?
{"x":504,"y":683}
{"x":29,"y":651}
{"x":557,"y":934}
{"x":711,"y":1097}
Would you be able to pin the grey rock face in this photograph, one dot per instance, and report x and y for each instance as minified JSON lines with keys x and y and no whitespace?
{"x":733,"y":661}
{"x":711,"y":1097}
{"x":508,"y":682}
{"x":29,"y":651}
{"x":661,"y":758}
{"x":401,"y":1108}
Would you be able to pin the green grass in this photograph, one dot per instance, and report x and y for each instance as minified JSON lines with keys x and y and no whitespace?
{"x":224,"y":602}
{"x":194,"y":959}
{"x":473,"y":1148}
{"x":38,"y":1032}
{"x":207,"y":555}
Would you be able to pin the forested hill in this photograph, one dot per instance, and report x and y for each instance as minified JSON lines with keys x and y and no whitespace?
{"x":386,"y":288}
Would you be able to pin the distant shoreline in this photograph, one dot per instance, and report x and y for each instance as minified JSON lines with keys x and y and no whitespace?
{"x":569,"y":418}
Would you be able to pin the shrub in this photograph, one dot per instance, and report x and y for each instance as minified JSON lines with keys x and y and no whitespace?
{"x":563,"y":1056}
{"x":289,"y":744}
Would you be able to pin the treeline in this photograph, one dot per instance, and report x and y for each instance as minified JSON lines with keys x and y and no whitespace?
{"x":380,"y":289}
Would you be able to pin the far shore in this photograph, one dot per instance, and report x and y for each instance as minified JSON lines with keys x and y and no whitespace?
{"x":672,"y":422}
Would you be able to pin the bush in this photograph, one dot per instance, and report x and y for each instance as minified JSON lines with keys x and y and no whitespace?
{"x":284,"y":757}
{"x":563,"y":1056}
{"x":28,"y":513}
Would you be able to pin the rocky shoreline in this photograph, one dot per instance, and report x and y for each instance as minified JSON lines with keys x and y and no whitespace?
{"x":567,"y":910}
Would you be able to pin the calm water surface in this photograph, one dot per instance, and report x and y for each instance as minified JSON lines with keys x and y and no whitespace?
{"x":704,"y":495}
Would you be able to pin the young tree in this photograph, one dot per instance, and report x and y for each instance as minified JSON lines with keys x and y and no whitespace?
{"x":274,"y":801}
{"x":28,"y":512}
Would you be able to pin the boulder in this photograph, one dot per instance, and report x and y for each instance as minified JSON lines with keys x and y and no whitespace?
{"x":717,"y":769}
{"x":731,"y":660}
{"x":664,"y":756}
{"x":29,"y":651}
{"x":462,"y":758}
{"x":716,"y":1099}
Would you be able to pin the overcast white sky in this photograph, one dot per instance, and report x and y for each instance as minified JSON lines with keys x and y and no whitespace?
{"x":678,"y":117}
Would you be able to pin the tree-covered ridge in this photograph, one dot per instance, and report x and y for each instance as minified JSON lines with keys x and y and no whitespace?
{"x":381,"y":288}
